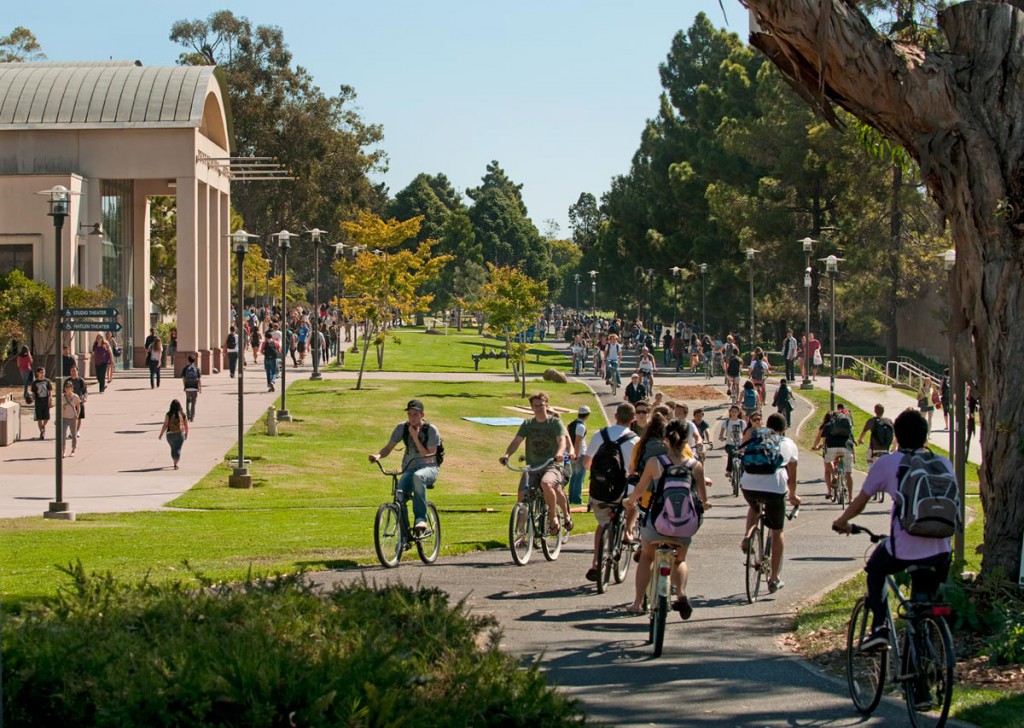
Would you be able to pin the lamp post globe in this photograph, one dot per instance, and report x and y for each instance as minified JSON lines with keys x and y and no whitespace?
{"x":808,"y":247}
{"x":703,"y":299}
{"x":316,"y":235}
{"x":832,"y":269}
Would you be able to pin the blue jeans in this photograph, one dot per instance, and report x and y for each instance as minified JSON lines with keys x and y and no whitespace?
{"x":576,"y":483}
{"x":612,"y":369}
{"x":417,"y":482}
{"x":175,"y":440}
{"x":26,"y":379}
{"x":270,"y":365}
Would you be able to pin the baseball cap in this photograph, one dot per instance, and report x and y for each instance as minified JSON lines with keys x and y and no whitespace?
{"x":584,"y":410}
{"x":414,"y":404}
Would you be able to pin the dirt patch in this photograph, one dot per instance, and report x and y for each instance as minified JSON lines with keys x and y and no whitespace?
{"x":693,"y":392}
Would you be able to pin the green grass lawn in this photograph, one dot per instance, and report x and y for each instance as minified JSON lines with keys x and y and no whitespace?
{"x":417,"y":351}
{"x":314,"y":495}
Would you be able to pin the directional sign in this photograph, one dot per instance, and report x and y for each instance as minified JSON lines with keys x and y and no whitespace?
{"x":90,"y":326}
{"x":89,"y":312}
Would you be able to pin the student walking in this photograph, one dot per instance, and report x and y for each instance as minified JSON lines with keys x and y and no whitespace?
{"x":25,"y":370}
{"x":102,"y":359}
{"x":70,"y":404}
{"x":783,"y":401}
{"x":193,"y":380}
{"x":154,"y":353}
{"x":176,"y":427}
{"x":80,"y":388}
{"x":41,"y":397}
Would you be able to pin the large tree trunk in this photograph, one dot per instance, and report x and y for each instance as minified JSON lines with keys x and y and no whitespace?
{"x":958,"y":115}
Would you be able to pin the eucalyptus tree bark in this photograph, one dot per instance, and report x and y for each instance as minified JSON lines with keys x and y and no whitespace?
{"x":958,"y":114}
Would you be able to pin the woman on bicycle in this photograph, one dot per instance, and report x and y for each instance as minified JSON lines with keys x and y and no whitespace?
{"x":646,"y":368}
{"x":675,"y":436}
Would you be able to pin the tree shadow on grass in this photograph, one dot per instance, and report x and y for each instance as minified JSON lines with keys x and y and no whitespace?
{"x":328,"y":564}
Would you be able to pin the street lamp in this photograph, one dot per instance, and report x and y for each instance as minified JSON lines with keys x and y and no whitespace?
{"x":703,"y":300}
{"x":750,"y":264}
{"x":577,"y":279}
{"x":315,"y":235}
{"x":593,"y":292}
{"x":240,"y":477}
{"x":958,"y":422}
{"x":832,"y":268}
{"x":60,"y":208}
{"x":808,"y":246}
{"x":284,"y":241}
{"x":677,"y":274}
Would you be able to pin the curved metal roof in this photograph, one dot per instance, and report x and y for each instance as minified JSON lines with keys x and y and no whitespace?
{"x":104,"y":95}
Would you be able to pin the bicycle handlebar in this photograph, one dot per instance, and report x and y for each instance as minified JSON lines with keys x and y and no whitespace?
{"x":793,"y":513}
{"x":387,"y":472}
{"x":875,"y":538}
{"x":529,"y":468}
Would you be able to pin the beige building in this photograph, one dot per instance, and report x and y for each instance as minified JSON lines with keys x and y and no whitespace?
{"x":116,"y":134}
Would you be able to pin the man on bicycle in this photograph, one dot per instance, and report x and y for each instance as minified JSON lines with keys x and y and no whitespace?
{"x":839,"y":444}
{"x":771,"y":489}
{"x":626,"y":439}
{"x":546,"y":440}
{"x":419,"y":464}
{"x":901,"y":550}
{"x":882,"y":435}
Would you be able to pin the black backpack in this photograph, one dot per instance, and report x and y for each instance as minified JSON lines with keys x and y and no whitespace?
{"x":608,"y":469}
{"x":270,"y":348}
{"x":884,"y":432}
{"x":232,"y":342}
{"x":191,"y":376}
{"x":841,"y":427}
{"x":424,"y":437}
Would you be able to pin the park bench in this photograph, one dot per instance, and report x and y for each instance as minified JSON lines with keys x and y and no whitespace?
{"x":492,"y":354}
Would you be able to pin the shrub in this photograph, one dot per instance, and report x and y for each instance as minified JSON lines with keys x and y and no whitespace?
{"x":268,"y":652}
{"x":1007,"y":647}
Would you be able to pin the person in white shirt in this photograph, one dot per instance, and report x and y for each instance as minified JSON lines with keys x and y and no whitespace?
{"x":682,"y":413}
{"x":771,"y":489}
{"x":732,"y":434}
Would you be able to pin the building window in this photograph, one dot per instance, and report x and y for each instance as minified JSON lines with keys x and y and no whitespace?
{"x":16,"y":257}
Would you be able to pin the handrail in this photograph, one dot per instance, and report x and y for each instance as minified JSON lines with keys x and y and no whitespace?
{"x":912,"y":372}
{"x":848,"y":361}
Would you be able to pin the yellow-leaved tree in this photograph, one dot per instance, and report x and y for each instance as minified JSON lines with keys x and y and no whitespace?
{"x":384,"y":279}
{"x":512,"y":302}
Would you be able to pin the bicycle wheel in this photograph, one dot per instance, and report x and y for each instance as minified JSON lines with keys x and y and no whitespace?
{"x":928,"y":696}
{"x":429,"y":544}
{"x":623,"y":555}
{"x":735,"y":477}
{"x":865,"y":670}
{"x":388,"y":535}
{"x":755,"y":557}
{"x":551,"y":544}
{"x":658,"y":615}
{"x":604,"y":558}
{"x":520,"y":534}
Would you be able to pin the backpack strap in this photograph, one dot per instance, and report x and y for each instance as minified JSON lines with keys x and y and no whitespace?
{"x":604,"y":435}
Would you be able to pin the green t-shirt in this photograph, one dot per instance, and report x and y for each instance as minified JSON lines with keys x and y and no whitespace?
{"x":541,"y":439}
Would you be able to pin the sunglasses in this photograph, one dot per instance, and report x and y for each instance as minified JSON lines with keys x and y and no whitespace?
{"x":641,"y":412}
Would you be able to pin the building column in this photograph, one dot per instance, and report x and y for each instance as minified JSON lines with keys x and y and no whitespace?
{"x":203,"y":244}
{"x":216,"y":292}
{"x":224,"y":255}
{"x":188,"y":270}
{"x":141,"y":271}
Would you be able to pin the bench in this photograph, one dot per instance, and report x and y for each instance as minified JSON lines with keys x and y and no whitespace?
{"x":492,"y":354}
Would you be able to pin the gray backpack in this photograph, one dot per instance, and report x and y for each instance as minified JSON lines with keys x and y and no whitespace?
{"x":928,"y":498}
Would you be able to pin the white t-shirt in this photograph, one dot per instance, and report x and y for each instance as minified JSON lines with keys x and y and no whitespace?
{"x":773,"y":482}
{"x":614,"y":433}
{"x":611,"y":352}
{"x":732,"y":431}
{"x":692,"y":434}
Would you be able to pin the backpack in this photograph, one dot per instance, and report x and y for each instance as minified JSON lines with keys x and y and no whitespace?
{"x":574,"y":427}
{"x":608,"y":469}
{"x":191,"y":376}
{"x":757,"y":370}
{"x":761,"y":454}
{"x":884,"y":432}
{"x":841,"y":426}
{"x":270,"y":348}
{"x":928,"y":498}
{"x":424,"y":437}
{"x":675,"y":512}
{"x":750,"y":398}
{"x":232,"y":342}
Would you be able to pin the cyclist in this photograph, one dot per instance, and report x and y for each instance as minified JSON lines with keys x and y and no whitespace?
{"x":771,"y":490}
{"x":838,"y":443}
{"x":612,"y":357}
{"x":645,"y":368}
{"x":759,"y":371}
{"x":750,"y":401}
{"x":681,"y":412}
{"x":577,"y":355}
{"x":733,"y":367}
{"x":732,"y":434}
{"x":703,"y":432}
{"x":546,"y":439}
{"x":901,"y":550}
{"x":419,"y":464}
{"x":675,"y":435}
{"x":603,"y":510}
{"x":882,"y":435}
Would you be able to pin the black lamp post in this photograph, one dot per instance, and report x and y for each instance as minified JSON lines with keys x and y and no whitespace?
{"x":958,"y":399}
{"x":703,"y":299}
{"x":60,"y":208}
{"x":593,"y":293}
{"x":808,"y":246}
{"x":648,"y":324}
{"x":577,"y":279}
{"x":316,"y":235}
{"x":240,"y":477}
{"x":677,"y":274}
{"x":284,"y":241}
{"x":750,"y":264}
{"x":339,"y":251}
{"x":832,"y":268}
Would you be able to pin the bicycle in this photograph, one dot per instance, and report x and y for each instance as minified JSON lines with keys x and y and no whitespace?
{"x":759,"y":552}
{"x":647,"y":380}
{"x":392,"y":534}
{"x":736,"y":475}
{"x":614,"y":554}
{"x":659,"y":588}
{"x":709,"y":367}
{"x":700,"y":452}
{"x":612,"y":374}
{"x":921,"y":656}
{"x":528,"y":522}
{"x":839,"y":491}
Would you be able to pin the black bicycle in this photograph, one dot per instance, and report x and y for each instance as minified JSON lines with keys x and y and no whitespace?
{"x":920,"y":656}
{"x":759,"y":553}
{"x":529,"y":522}
{"x":614,"y":553}
{"x":392,"y":534}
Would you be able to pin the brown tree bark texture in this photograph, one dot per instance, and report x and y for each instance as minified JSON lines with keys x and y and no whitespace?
{"x":959,"y":114}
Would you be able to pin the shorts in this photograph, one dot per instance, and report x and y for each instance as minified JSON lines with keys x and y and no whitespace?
{"x":831,"y":453}
{"x":603,"y":509}
{"x":873,"y":455}
{"x":301,"y":346}
{"x":648,"y":534}
{"x":553,"y":474}
{"x":774,"y":506}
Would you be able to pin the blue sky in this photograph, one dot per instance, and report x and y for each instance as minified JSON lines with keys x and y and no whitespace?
{"x":556,"y":90}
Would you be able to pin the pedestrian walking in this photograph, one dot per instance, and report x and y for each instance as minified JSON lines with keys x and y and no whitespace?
{"x":176,"y":427}
{"x":231,"y":345}
{"x":783,"y":401}
{"x":193,"y":380}
{"x":789,"y":353}
{"x":102,"y":358}
{"x":924,"y":402}
{"x":40,"y":395}
{"x":25,"y":370}
{"x":945,"y":398}
{"x":115,"y":353}
{"x":70,"y":404}
{"x":80,"y":388}
{"x":153,"y":355}
{"x":270,"y":361}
